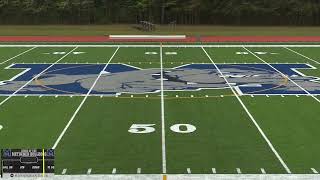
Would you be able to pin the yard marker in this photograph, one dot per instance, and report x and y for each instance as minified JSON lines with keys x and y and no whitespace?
{"x":239,"y":171}
{"x":82,"y":102}
{"x":314,"y":97}
{"x":314,"y":171}
{"x":191,"y":96}
{"x":297,"y":96}
{"x":35,"y":77}
{"x":101,"y":96}
{"x":301,"y":55}
{"x":267,"y":95}
{"x":25,"y":96}
{"x":89,"y":171}
{"x":18,"y":55}
{"x":114,"y":170}
{"x":214,"y":171}
{"x":221,"y":95}
{"x":131,"y":96}
{"x":177,"y":96}
{"x":56,"y":96}
{"x":189,"y":170}
{"x":139,"y":171}
{"x":147,"y":95}
{"x":263,"y":171}
{"x":40,"y":96}
{"x":163,"y":136}
{"x":207,"y":96}
{"x":64,"y":171}
{"x":282,"y":95}
{"x":251,"y":117}
{"x":252,"y":95}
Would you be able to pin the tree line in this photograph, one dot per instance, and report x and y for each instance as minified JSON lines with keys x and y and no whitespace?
{"x":215,"y":12}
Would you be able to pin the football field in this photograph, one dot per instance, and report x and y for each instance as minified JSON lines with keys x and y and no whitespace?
{"x":164,"y":109}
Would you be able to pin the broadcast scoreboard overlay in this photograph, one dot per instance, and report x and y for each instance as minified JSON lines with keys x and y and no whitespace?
{"x":27,"y":162}
{"x":159,"y":109}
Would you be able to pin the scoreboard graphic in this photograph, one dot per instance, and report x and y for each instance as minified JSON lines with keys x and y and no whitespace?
{"x":27,"y":162}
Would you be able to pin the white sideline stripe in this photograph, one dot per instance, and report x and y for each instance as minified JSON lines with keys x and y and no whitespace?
{"x":156,"y":46}
{"x":18,"y":55}
{"x":89,"y":171}
{"x":64,"y":171}
{"x":214,"y":171}
{"x":239,"y":171}
{"x":82,"y":102}
{"x":251,"y":117}
{"x":5,"y":100}
{"x":314,"y":171}
{"x":301,"y":55}
{"x":139,"y":171}
{"x":147,"y":36}
{"x":314,"y":97}
{"x":189,"y":170}
{"x":163,"y":136}
{"x":114,"y":170}
{"x":263,"y":171}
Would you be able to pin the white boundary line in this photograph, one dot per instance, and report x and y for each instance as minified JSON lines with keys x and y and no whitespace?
{"x":251,"y":117}
{"x":163,"y":135}
{"x":155,"y":45}
{"x":38,"y":75}
{"x":301,"y":55}
{"x":18,"y":55}
{"x":314,"y":97}
{"x":82,"y":102}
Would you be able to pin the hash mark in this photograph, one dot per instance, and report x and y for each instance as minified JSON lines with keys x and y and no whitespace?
{"x":189,"y":170}
{"x":114,"y":170}
{"x":239,"y":171}
{"x":214,"y":170}
{"x":314,"y":171}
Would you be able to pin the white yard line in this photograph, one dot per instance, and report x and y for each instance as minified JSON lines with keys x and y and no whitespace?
{"x":18,"y":55}
{"x":82,"y":102}
{"x":314,"y":97}
{"x":301,"y":55}
{"x":250,"y":115}
{"x":35,"y":77}
{"x":163,"y":135}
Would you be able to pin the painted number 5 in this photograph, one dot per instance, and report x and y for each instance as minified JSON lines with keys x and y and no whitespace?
{"x":141,"y":128}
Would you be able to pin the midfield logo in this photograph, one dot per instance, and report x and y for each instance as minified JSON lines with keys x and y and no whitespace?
{"x":77,"y":79}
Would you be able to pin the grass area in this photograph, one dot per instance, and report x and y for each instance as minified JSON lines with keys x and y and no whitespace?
{"x":101,"y":135}
{"x":98,"y":30}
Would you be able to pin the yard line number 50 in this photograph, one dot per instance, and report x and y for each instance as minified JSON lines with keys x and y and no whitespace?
{"x":149,"y":128}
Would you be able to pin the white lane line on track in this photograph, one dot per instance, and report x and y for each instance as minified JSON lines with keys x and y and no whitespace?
{"x":250,"y":116}
{"x":18,"y":55}
{"x":38,"y":75}
{"x":314,"y":97}
{"x":163,"y":136}
{"x":82,"y":102}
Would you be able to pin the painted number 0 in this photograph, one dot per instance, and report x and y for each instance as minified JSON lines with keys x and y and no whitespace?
{"x":148,"y":128}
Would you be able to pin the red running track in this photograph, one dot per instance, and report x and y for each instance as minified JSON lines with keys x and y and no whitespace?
{"x":190,"y":39}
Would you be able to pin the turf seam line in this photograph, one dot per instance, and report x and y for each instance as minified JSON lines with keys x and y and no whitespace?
{"x":82,"y":102}
{"x":37,"y":76}
{"x":250,"y":115}
{"x":283,"y":74}
{"x":18,"y":55}
{"x":163,"y":136}
{"x":301,"y":55}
